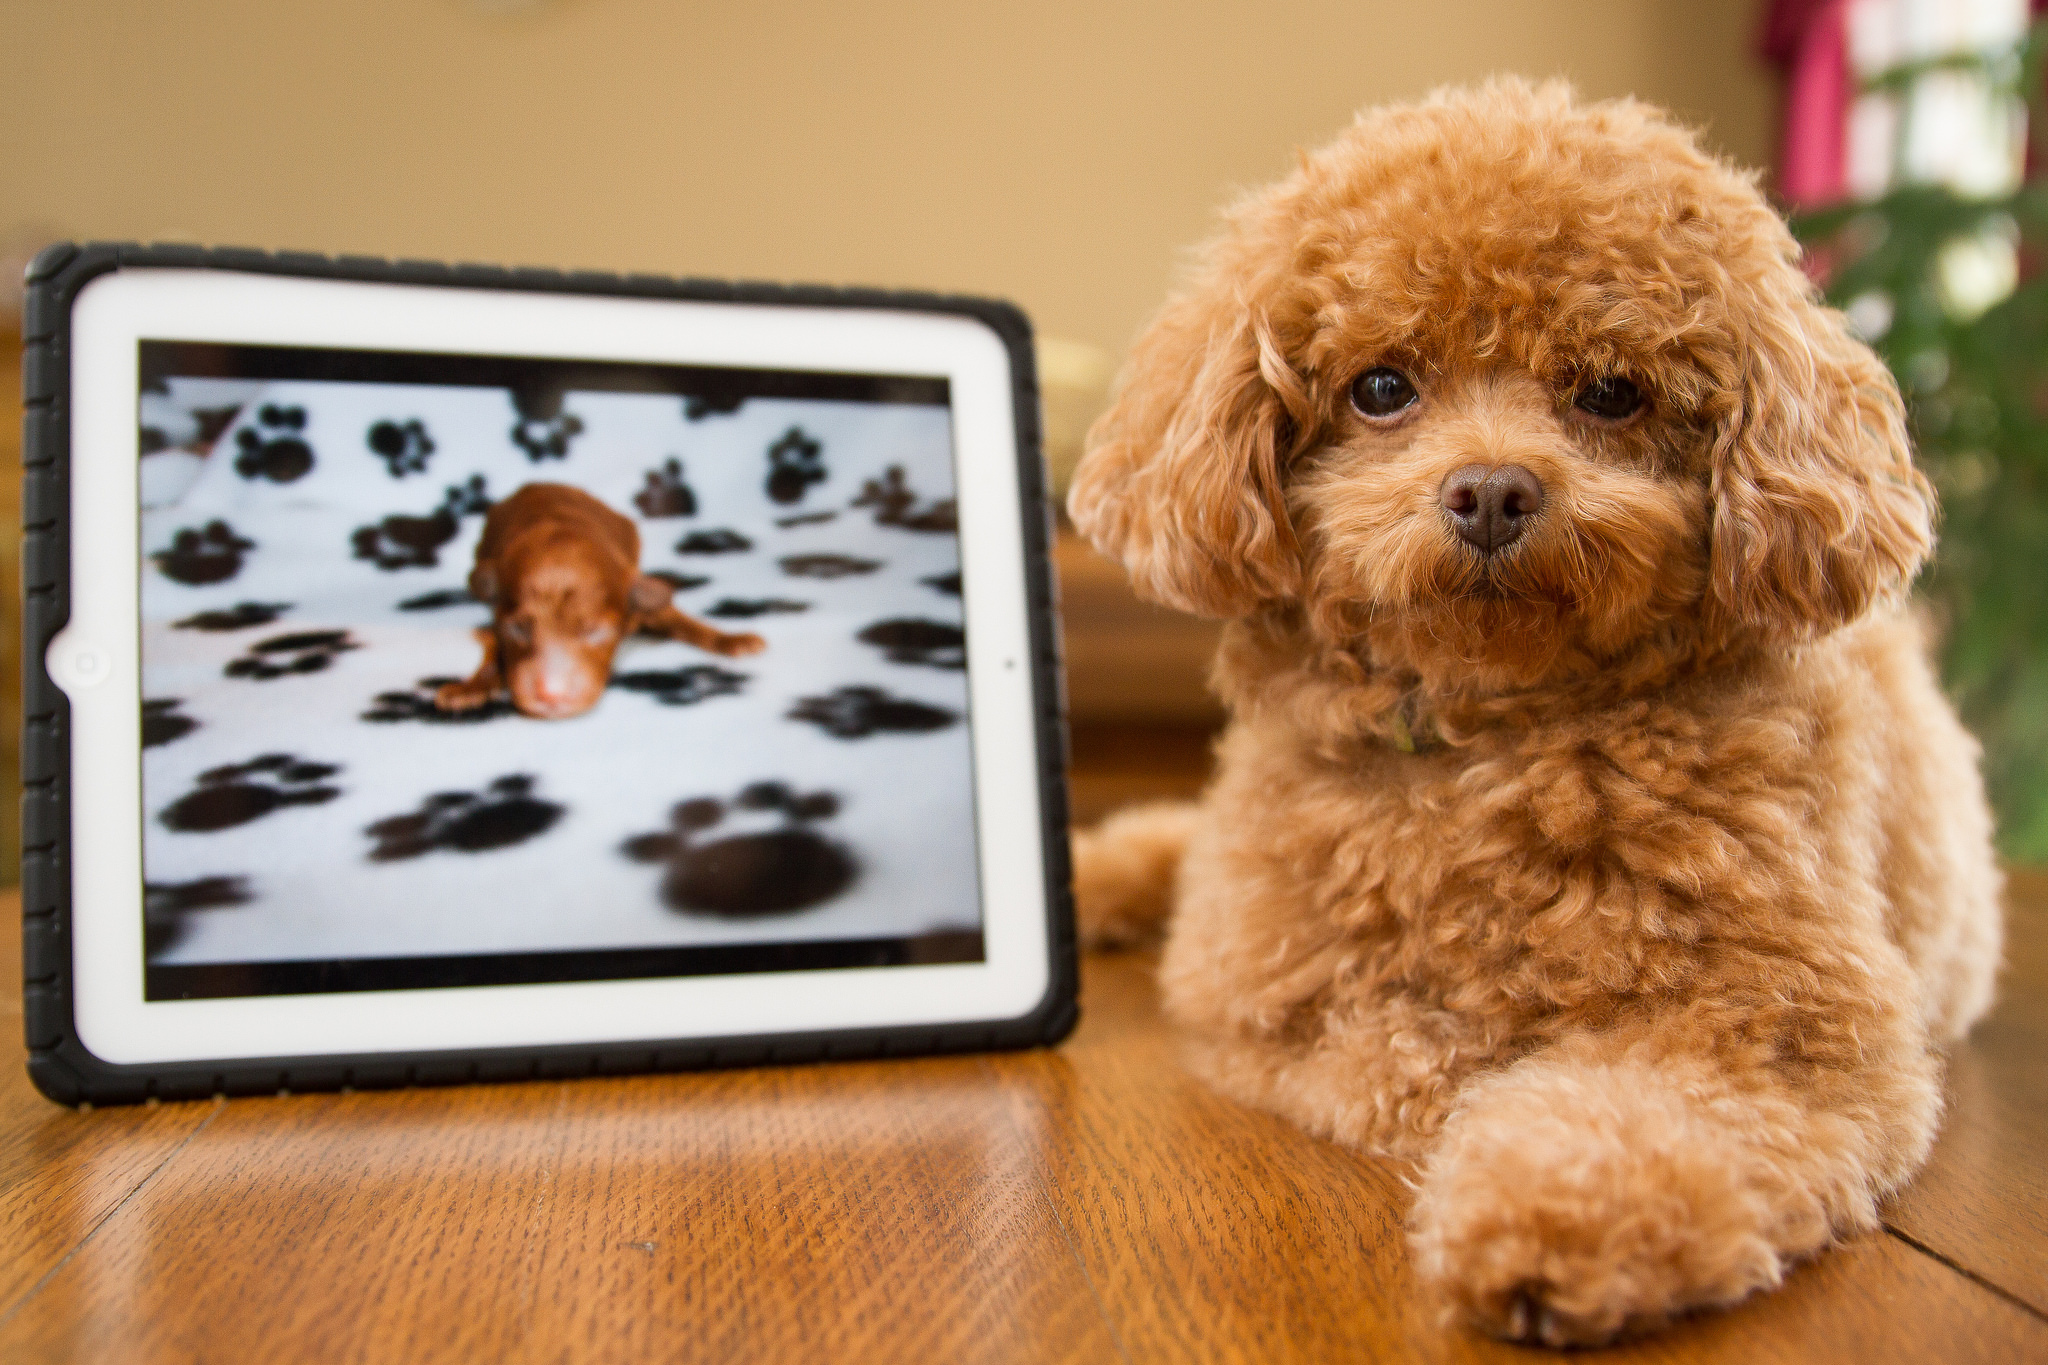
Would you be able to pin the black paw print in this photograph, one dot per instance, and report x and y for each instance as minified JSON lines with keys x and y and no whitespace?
{"x":766,"y":872}
{"x":795,"y":462}
{"x":912,"y":640}
{"x":161,"y":722}
{"x":404,"y":446}
{"x":742,"y":607}
{"x":403,"y":542}
{"x":241,"y":792}
{"x":715,"y":400}
{"x":302,"y":651}
{"x":390,"y":707}
{"x":679,"y":582}
{"x":857,"y":712}
{"x":165,"y":906}
{"x":895,"y":504}
{"x":665,"y":493}
{"x":722,"y":541}
{"x":505,"y":813}
{"x":827,"y":566}
{"x":241,"y":616}
{"x":683,"y":686}
{"x":439,"y":598}
{"x":947,"y":583}
{"x":271,"y":449}
{"x":543,"y":430}
{"x":211,"y":554}
{"x":806,"y":519}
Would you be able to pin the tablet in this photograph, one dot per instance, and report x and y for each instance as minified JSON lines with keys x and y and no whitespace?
{"x":448,"y":673}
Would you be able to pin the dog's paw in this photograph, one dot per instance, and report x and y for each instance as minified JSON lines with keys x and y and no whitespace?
{"x":1124,"y":871}
{"x":1569,"y":1205}
{"x":738,"y":646}
{"x":462,"y":695}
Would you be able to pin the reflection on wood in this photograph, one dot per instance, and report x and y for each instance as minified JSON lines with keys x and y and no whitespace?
{"x":1090,"y":1203}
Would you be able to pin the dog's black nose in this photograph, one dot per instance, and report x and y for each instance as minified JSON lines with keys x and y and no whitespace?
{"x":1490,"y":505}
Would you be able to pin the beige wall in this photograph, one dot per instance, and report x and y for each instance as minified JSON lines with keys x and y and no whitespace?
{"x":1058,"y":154}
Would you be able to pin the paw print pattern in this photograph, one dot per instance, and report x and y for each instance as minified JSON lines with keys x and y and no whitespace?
{"x":165,"y":906}
{"x":272,"y":448}
{"x":504,"y":813}
{"x":302,"y":651}
{"x":240,"y":792}
{"x":436,"y":600}
{"x":774,"y":871}
{"x":806,"y":519}
{"x":391,"y":707}
{"x":827,"y":566}
{"x":715,"y":400}
{"x":947,"y":583}
{"x":742,"y":607}
{"x":241,"y":616}
{"x":795,"y":462}
{"x":857,"y":712}
{"x":722,"y":541}
{"x":683,"y":686}
{"x":405,"y":447}
{"x":161,"y":722}
{"x":895,"y":504}
{"x":679,"y":582}
{"x":913,"y":640}
{"x":403,"y":542}
{"x":665,"y":493}
{"x":211,"y":554}
{"x":543,"y":430}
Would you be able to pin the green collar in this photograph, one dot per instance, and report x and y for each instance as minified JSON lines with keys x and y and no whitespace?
{"x":1411,"y":736}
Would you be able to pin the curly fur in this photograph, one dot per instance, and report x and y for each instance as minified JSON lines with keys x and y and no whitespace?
{"x":1649,"y":957}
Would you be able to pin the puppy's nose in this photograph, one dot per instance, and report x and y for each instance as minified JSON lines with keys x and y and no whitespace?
{"x":1490,"y":505}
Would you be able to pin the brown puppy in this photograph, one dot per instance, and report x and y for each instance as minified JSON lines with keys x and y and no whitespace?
{"x":1590,"y":827}
{"x":561,"y":572}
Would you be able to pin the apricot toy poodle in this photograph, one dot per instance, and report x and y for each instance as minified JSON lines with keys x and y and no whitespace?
{"x":1589,"y":827}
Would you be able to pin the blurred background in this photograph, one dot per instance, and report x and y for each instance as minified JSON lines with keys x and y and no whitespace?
{"x":1063,"y":156}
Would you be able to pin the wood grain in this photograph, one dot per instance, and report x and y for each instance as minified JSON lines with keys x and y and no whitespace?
{"x":1090,"y":1203}
{"x":1981,"y":1203}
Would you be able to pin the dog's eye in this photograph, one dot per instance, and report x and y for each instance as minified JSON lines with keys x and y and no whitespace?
{"x":1613,"y":398}
{"x":1382,"y":391}
{"x":518,"y":630}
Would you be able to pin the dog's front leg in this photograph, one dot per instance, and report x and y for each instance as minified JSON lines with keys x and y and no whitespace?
{"x":481,"y":686}
{"x":675,"y":625}
{"x":1612,"y":1180}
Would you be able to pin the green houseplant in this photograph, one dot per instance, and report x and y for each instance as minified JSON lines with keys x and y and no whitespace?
{"x":1929,"y":277}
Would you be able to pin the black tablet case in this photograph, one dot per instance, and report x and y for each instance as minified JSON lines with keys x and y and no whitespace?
{"x":60,"y":1065}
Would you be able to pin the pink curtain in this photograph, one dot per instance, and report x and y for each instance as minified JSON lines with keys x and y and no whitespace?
{"x":1809,"y":39}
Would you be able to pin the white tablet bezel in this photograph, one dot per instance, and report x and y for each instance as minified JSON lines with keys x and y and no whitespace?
{"x":96,"y":660}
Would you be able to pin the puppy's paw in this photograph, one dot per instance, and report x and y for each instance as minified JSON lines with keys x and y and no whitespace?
{"x":738,"y":646}
{"x":1124,"y":871}
{"x":462,"y":696}
{"x":1569,"y":1205}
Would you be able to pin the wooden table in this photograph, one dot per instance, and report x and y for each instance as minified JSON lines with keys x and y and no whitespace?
{"x":1089,"y":1203}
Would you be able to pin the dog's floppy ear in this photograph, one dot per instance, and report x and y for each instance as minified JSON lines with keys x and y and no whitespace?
{"x":1817,"y":508}
{"x":1182,"y":479}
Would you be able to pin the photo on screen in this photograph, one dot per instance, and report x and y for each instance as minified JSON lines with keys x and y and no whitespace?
{"x":739,"y":746}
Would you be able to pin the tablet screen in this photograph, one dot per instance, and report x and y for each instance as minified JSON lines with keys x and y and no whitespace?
{"x":382,"y":752}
